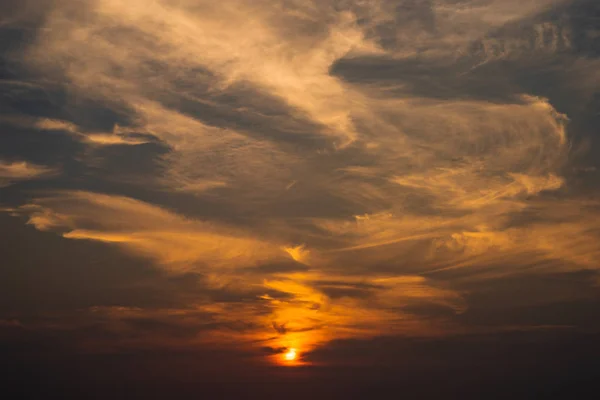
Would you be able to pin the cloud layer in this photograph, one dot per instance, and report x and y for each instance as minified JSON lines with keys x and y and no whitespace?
{"x":335,"y":169}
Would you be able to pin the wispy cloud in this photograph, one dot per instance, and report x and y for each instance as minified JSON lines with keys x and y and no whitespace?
{"x":11,"y":172}
{"x":331,"y":166}
{"x":117,"y":137}
{"x":314,"y":307}
{"x":172,"y":240}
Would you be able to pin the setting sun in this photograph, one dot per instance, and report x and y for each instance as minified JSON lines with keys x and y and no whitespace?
{"x":290,"y":355}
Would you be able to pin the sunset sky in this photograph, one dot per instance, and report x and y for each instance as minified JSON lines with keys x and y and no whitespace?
{"x":311,"y":198}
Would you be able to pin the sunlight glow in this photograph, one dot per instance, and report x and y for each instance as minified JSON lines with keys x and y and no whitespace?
{"x":290,"y":355}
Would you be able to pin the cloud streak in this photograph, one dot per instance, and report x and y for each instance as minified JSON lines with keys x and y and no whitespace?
{"x":16,"y":171}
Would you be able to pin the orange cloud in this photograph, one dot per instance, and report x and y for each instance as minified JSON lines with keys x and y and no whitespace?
{"x":11,"y":172}
{"x":305,"y":311}
{"x":170,"y":239}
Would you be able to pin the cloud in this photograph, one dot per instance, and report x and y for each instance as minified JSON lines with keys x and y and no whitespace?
{"x":329,"y":166}
{"x":172,"y":240}
{"x":11,"y":172}
{"x":310,"y":316}
{"x":300,"y":308}
{"x":278,"y":58}
{"x":296,"y":73}
{"x":117,"y":137}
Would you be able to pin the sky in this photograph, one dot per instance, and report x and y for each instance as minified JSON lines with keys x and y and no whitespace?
{"x":300,"y":198}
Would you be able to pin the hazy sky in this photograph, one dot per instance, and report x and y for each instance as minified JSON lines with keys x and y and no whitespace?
{"x":283,"y":190}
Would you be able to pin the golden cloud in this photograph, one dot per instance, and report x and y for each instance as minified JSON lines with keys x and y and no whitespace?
{"x":11,"y":172}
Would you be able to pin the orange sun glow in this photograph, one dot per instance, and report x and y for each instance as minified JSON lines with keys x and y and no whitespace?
{"x":290,"y":355}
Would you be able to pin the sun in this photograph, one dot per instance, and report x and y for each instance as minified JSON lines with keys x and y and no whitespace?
{"x":290,"y":355}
